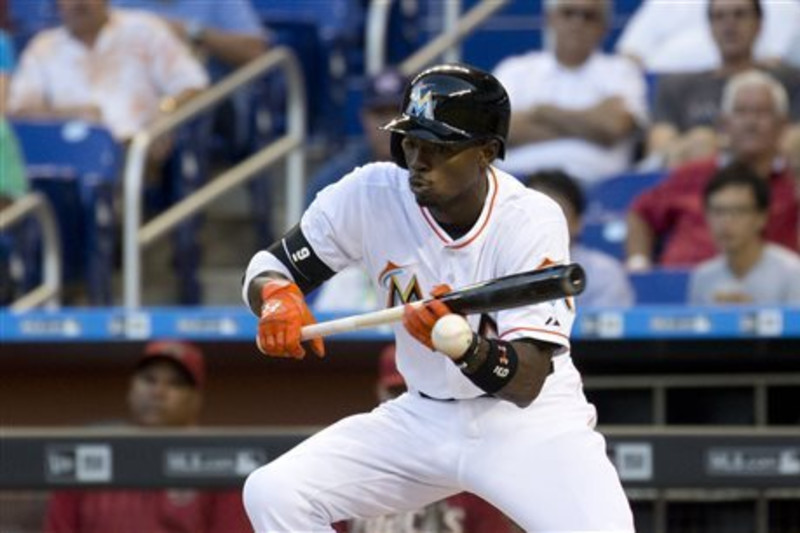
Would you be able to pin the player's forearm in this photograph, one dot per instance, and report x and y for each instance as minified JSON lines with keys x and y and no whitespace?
{"x":533,"y":365}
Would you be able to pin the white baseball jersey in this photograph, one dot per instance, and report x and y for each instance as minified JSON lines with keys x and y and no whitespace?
{"x":371,"y":217}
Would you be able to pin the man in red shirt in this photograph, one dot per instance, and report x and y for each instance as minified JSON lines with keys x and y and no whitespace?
{"x":165,"y":391}
{"x":462,"y":513}
{"x":670,"y":215}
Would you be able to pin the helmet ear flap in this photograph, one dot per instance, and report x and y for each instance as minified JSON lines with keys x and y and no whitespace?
{"x":398,"y":155}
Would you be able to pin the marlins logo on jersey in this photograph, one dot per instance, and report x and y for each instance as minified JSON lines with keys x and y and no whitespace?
{"x":421,"y":102}
{"x":400,"y":283}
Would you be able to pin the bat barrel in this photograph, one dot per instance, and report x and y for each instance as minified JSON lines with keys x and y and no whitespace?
{"x":552,"y":283}
{"x":574,"y":279}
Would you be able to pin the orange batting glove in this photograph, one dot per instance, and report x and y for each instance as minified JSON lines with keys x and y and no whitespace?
{"x":419,"y":321}
{"x":283,"y":313}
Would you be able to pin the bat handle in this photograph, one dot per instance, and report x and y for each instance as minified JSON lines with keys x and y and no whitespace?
{"x":352,"y":323}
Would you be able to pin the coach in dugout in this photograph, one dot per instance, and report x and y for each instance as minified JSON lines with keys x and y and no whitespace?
{"x":166,"y":391}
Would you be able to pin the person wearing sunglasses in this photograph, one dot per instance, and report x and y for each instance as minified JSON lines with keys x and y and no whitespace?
{"x":574,"y":108}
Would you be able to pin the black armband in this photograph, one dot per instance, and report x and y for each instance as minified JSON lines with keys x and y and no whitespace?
{"x":496,"y":371}
{"x":296,"y":254}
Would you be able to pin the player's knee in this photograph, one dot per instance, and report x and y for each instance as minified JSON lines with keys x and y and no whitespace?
{"x":268,"y":493}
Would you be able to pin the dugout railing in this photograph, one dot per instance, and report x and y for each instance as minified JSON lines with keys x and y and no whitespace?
{"x":662,"y":470}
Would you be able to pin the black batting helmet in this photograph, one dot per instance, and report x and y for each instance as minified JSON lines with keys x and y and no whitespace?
{"x":451,"y":104}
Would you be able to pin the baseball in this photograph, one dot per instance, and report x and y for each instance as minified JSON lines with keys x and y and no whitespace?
{"x":451,"y":335}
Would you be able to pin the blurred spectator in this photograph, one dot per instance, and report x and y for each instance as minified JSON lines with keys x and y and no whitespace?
{"x":687,"y":105}
{"x":748,"y":270}
{"x":573,"y":108}
{"x":119,"y":68}
{"x":13,"y":183}
{"x":463,"y":512}
{"x":7,"y":55}
{"x":228,"y":33}
{"x":13,"y":180}
{"x":608,"y":282}
{"x":166,"y":391}
{"x":754,"y":112}
{"x":383,"y":95}
{"x":665,"y":36}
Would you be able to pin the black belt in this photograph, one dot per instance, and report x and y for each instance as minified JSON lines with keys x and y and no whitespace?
{"x":487,"y":395}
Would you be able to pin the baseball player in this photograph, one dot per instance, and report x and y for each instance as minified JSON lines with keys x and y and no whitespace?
{"x":506,"y":419}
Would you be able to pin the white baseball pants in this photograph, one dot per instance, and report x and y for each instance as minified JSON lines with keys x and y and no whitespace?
{"x":544,"y":467}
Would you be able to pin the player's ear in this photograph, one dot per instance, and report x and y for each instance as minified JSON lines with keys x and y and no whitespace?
{"x":489,"y":152}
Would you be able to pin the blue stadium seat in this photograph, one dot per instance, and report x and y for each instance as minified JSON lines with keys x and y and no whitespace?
{"x":76,"y":165}
{"x":661,"y":286}
{"x":29,"y":17}
{"x":616,"y":194}
{"x":607,"y":206}
{"x":328,"y":38}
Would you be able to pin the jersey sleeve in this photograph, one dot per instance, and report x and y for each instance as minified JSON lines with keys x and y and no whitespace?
{"x":545,"y":244}
{"x":27,"y":89}
{"x":333,"y":223}
{"x":632,"y":89}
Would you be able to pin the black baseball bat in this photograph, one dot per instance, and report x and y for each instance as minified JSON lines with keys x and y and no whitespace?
{"x":514,"y":290}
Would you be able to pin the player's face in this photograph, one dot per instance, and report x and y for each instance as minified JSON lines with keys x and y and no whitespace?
{"x":161,"y":395}
{"x":444,"y":176}
{"x":734,"y":218}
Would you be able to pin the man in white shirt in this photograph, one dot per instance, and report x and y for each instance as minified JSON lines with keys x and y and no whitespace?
{"x":748,"y":269}
{"x":119,"y":68}
{"x":666,"y":36}
{"x":573,"y":108}
{"x":686,"y":111}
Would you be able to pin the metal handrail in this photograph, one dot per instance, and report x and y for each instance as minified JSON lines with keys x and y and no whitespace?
{"x":50,"y":288}
{"x":376,"y":31}
{"x":289,"y":146}
{"x":453,"y":32}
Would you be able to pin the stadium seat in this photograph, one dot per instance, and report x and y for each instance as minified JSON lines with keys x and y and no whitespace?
{"x":328,"y":39}
{"x":76,"y":166}
{"x":661,"y":286}
{"x":29,"y":17}
{"x":607,"y":204}
{"x":614,"y":195}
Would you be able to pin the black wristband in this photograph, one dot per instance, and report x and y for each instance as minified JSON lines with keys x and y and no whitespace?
{"x":466,"y":362}
{"x":497,"y":370}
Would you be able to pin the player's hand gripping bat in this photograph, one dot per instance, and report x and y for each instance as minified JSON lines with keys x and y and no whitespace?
{"x":515,"y":290}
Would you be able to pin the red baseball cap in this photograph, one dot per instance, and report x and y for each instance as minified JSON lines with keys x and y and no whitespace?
{"x":388,"y":375}
{"x":186,"y":355}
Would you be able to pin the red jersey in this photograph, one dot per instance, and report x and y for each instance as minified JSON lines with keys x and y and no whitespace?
{"x":462,"y":513}
{"x":139,"y":511}
{"x":674,"y":210}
